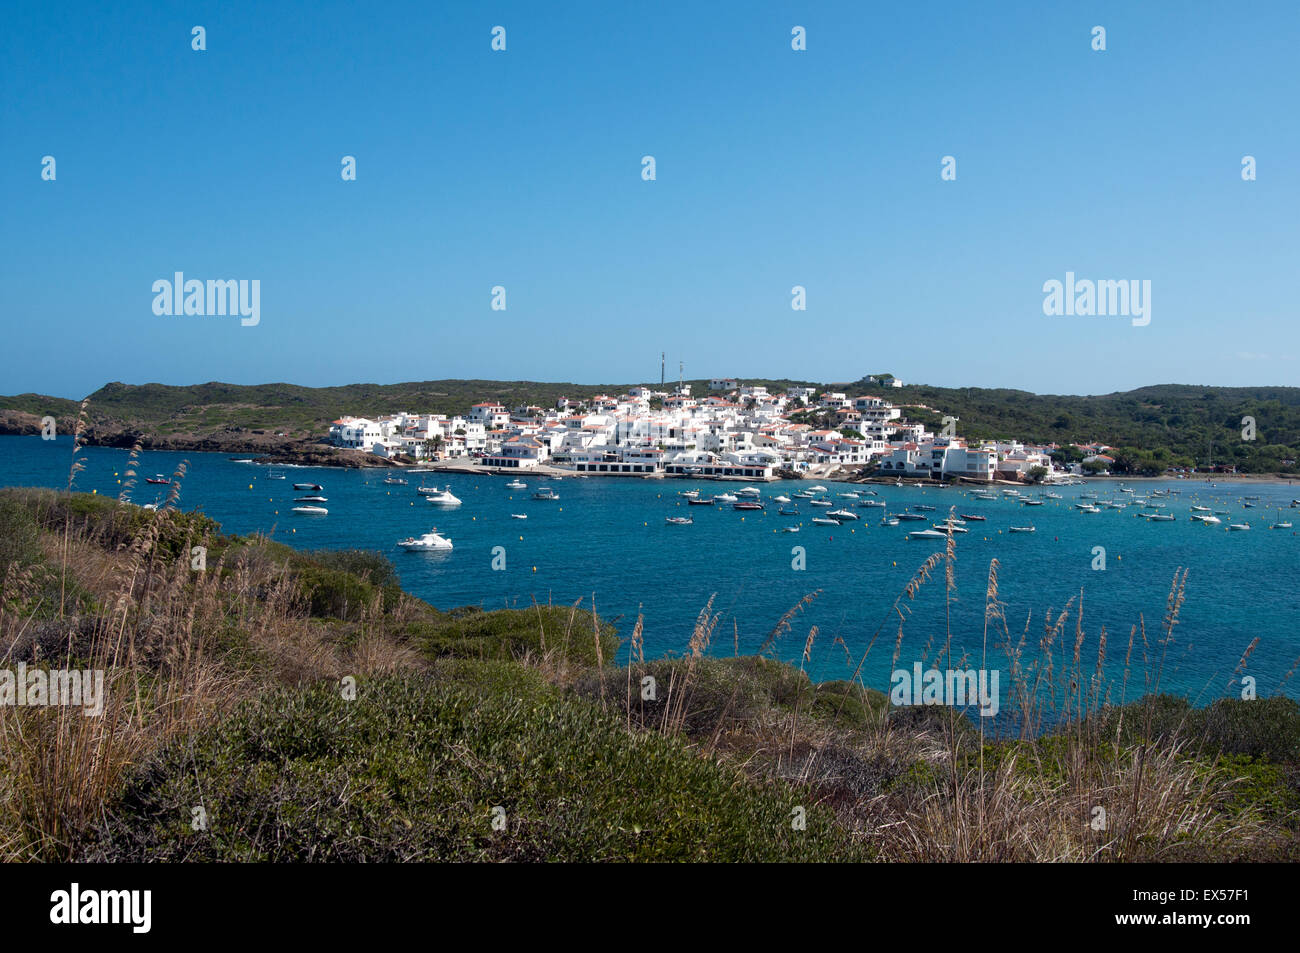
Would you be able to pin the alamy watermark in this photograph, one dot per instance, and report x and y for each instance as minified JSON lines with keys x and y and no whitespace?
{"x":37,"y":688}
{"x":1124,"y":298}
{"x":210,"y":298}
{"x":954,"y":688}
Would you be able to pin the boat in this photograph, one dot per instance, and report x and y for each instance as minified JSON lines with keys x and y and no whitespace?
{"x":1285,"y":524}
{"x":1207,"y":519}
{"x":1020,"y":529}
{"x":679,"y":520}
{"x":445,"y":498}
{"x":747,"y":505}
{"x":690,"y":494}
{"x":158,"y":478}
{"x":1031,"y":502}
{"x":949,"y":528}
{"x":695,"y":501}
{"x":314,"y":487}
{"x":726,"y":497}
{"x":1160,"y":517}
{"x":545,"y":493}
{"x":517,"y":485}
{"x":519,"y":516}
{"x":426,"y":542}
{"x":926,"y":534}
{"x":395,"y":481}
{"x":781,"y":499}
{"x":886,"y":521}
{"x":978,"y":519}
{"x":910,"y":516}
{"x":817,"y":489}
{"x":923,"y":508}
{"x":1239,"y":526}
{"x":311,"y":510}
{"x":842,"y":515}
{"x":1200,"y":509}
{"x":1057,"y":496}
{"x":820,"y":503}
{"x":804,"y":495}
{"x":824,"y":521}
{"x":750,"y":491}
{"x":784,"y":512}
{"x":310,"y":499}
{"x":849,"y":496}
{"x":865,"y":503}
{"x":789,"y":529}
{"x":1248,"y":505}
{"x":274,"y":475}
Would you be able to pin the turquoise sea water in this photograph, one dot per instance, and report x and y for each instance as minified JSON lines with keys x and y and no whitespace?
{"x":607,"y":537}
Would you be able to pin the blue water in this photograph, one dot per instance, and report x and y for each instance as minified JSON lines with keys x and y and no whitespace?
{"x":607,"y":537}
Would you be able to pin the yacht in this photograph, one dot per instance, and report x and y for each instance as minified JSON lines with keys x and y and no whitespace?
{"x":820,"y":503}
{"x":750,"y":491}
{"x":825,"y":521}
{"x":311,"y":510}
{"x":428,"y":541}
{"x":1031,"y":502}
{"x":817,"y":489}
{"x":1207,"y":519}
{"x":843,"y":515}
{"x":517,"y":485}
{"x":927,"y":534}
{"x":911,"y":516}
{"x":1160,"y":517}
{"x":726,"y":498}
{"x":445,"y":498}
{"x":545,"y":493}
{"x":314,"y":487}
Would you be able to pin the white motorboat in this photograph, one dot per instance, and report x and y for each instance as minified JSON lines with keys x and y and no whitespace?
{"x":866,"y":503}
{"x":781,"y":499}
{"x":843,"y":515}
{"x":680,"y":520}
{"x":311,"y":510}
{"x":545,"y":493}
{"x":1285,"y":524}
{"x":1160,"y":517}
{"x":517,"y":485}
{"x":519,"y":516}
{"x":949,"y":528}
{"x":428,"y":541}
{"x":1239,"y":527}
{"x":315,"y":487}
{"x":749,"y":491}
{"x":789,"y":529}
{"x":817,"y":489}
{"x":825,"y":521}
{"x":1020,"y":529}
{"x":444,"y":498}
{"x":927,"y":534}
{"x":1200,"y":509}
{"x":1207,"y":519}
{"x":726,"y":498}
{"x":820,"y":503}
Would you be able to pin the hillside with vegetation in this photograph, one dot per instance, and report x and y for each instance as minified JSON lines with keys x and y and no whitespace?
{"x":269,"y":704}
{"x":1152,"y":427}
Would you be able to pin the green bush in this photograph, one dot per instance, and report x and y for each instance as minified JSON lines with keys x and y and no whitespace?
{"x":412,"y":769}
{"x":510,"y":633}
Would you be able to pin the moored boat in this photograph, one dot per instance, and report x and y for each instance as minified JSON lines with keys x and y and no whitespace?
{"x":431,"y":540}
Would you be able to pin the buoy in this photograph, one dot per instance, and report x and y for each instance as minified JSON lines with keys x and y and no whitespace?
{"x":534,"y":569}
{"x":250,"y":486}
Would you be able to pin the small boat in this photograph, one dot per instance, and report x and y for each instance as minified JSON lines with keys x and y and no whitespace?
{"x":1200,"y":509}
{"x":274,"y":475}
{"x":865,"y":503}
{"x":545,"y":493}
{"x":158,"y":478}
{"x":747,"y":505}
{"x":978,"y":519}
{"x":690,"y":494}
{"x":311,"y":510}
{"x":310,"y":499}
{"x":241,"y":459}
{"x":842,"y":515}
{"x":784,"y":512}
{"x":885,"y":521}
{"x":804,"y":495}
{"x":1031,"y":502}
{"x":517,"y":485}
{"x":519,"y":516}
{"x":750,"y":491}
{"x":395,"y":481}
{"x":1285,"y":524}
{"x":314,"y":487}
{"x":923,"y":508}
{"x":1239,"y":526}
{"x":824,"y":521}
{"x":789,"y":529}
{"x":781,"y":499}
{"x":679,"y":520}
{"x":949,"y":528}
{"x":817,"y":489}
{"x":1020,"y":529}
{"x":445,"y":498}
{"x":726,"y":498}
{"x":927,"y":534}
{"x":1248,"y":505}
{"x":849,"y":496}
{"x":1160,"y":517}
{"x":1207,"y":519}
{"x":696,"y":501}
{"x":1093,"y":509}
{"x":1057,"y":496}
{"x":820,"y":503}
{"x":910,"y":516}
{"x":426,"y":542}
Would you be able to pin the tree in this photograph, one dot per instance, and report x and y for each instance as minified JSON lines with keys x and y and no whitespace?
{"x":1036,"y":474}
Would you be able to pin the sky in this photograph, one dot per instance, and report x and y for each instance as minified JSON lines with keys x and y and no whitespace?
{"x":774,"y":168}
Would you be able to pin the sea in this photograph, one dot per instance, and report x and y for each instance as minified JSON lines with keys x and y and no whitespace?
{"x":606,"y":541}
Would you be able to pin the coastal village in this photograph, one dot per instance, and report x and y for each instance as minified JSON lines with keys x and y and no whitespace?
{"x":734,"y":431}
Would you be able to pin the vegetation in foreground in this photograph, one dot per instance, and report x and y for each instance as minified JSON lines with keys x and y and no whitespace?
{"x":289,"y":706}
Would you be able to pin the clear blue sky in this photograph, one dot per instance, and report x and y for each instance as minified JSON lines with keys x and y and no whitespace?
{"x":775,"y":169}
